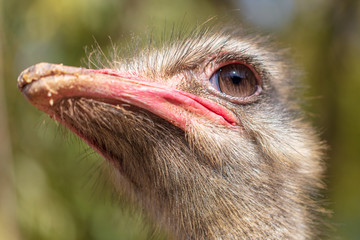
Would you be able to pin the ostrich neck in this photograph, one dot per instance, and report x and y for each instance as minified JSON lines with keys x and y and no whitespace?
{"x":241,"y":193}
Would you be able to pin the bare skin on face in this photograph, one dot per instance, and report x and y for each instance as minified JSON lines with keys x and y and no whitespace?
{"x":204,"y":133}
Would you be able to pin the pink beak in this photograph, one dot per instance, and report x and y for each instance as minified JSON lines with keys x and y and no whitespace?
{"x":44,"y":84}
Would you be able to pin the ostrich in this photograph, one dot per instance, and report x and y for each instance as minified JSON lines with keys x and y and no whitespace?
{"x":204,"y":133}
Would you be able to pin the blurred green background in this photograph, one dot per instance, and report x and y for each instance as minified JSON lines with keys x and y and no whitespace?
{"x":51,"y":188}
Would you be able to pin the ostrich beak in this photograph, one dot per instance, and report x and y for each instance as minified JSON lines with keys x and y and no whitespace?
{"x":44,"y":84}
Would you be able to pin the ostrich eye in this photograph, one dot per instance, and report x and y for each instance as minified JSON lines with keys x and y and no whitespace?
{"x":236,"y":80}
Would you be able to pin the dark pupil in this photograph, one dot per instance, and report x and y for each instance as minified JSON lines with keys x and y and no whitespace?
{"x":236,"y":77}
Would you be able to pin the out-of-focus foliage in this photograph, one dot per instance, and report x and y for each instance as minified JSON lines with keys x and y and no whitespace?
{"x":51,"y":188}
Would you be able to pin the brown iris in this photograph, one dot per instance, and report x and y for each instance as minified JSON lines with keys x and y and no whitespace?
{"x":236,"y":80}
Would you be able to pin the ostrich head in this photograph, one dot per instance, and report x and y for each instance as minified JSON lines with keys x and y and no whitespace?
{"x":204,"y":133}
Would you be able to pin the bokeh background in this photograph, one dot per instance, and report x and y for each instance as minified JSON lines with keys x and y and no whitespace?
{"x":50,"y":187}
